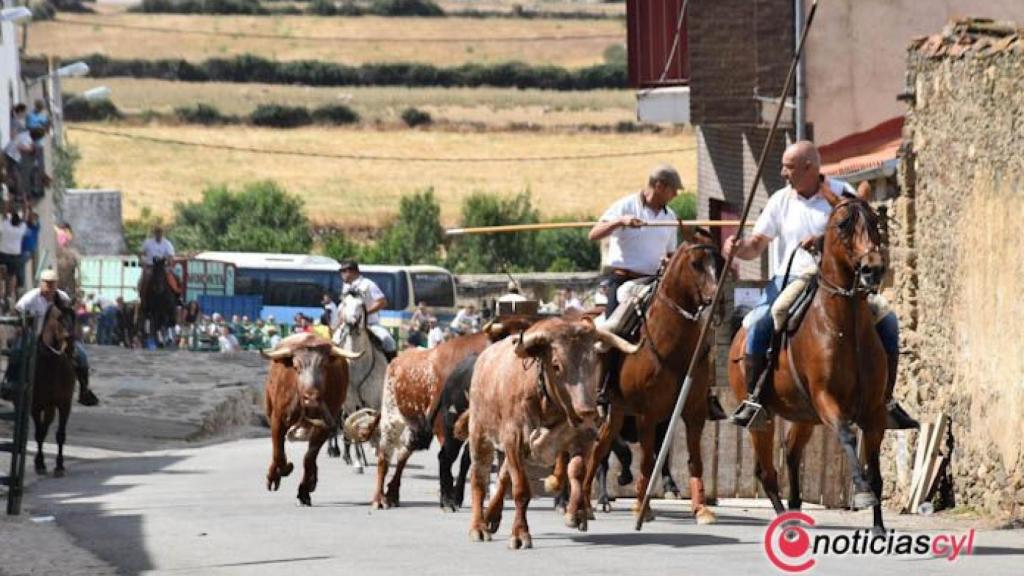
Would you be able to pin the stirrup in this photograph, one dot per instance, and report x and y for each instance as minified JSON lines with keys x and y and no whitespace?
{"x":758,"y":420}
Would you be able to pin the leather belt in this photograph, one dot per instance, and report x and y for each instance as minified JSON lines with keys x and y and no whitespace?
{"x":627,"y":274}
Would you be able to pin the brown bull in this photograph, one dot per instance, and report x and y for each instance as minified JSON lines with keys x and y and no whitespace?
{"x":412,"y":390}
{"x":533,"y":397}
{"x":305,"y":387}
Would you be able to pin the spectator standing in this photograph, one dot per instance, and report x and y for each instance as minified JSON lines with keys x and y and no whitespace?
{"x":572,"y":303}
{"x":227,"y":341}
{"x":12,"y":231}
{"x":30,"y":241}
{"x":38,"y":119}
{"x":19,"y":155}
{"x":332,"y":309}
{"x":18,"y":115}
{"x":323,"y":327}
{"x":435,"y":336}
{"x":273,"y":338}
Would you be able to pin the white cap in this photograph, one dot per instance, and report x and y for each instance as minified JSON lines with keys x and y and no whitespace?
{"x":48,"y":275}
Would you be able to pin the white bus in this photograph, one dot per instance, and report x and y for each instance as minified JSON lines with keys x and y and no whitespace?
{"x":293,"y":283}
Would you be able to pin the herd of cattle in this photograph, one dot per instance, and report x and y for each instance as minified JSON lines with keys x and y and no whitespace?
{"x":527,"y":389}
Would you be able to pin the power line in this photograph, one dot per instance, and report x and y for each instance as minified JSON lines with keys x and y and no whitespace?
{"x":345,"y":39}
{"x":379,"y":158}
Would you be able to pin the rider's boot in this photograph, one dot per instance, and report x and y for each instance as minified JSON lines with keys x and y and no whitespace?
{"x":715,"y":410}
{"x":754,"y":365}
{"x":897,"y":418}
{"x":85,"y":395}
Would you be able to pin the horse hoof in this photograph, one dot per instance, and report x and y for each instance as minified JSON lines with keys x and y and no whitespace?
{"x":377,"y":504}
{"x":305,"y":500}
{"x":58,"y":473}
{"x":333,"y":453}
{"x":590,"y":513}
{"x":520,"y":542}
{"x":705,"y":516}
{"x":606,"y":507}
{"x":357,"y":469}
{"x":479,"y":535}
{"x":41,"y":470}
{"x":863,"y":500}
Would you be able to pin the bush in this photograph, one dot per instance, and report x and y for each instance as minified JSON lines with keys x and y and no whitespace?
{"x":405,"y":8}
{"x":201,"y":114}
{"x":250,"y":68}
{"x":495,"y":252}
{"x":252,"y":7}
{"x":414,"y":117}
{"x":278,"y":116}
{"x":78,"y":109}
{"x":42,"y":10}
{"x":335,"y":114}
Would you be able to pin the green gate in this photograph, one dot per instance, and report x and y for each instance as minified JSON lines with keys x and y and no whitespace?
{"x":24,"y":353}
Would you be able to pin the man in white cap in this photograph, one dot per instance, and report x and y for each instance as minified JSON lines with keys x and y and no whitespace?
{"x":36,"y":302}
{"x":637,"y":251}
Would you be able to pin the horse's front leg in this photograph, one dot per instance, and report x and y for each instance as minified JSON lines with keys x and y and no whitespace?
{"x":872,"y":449}
{"x":796,"y":440}
{"x":646,"y":433}
{"x":698,"y":503}
{"x":863,"y":496}
{"x":62,"y":426}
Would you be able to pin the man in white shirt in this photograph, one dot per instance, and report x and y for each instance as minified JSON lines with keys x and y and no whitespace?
{"x":374,"y":300}
{"x":332,"y":309}
{"x":794,"y":218}
{"x":36,"y":302}
{"x":466,"y":321}
{"x":153,"y":248}
{"x":436,"y":335}
{"x":636,"y":251}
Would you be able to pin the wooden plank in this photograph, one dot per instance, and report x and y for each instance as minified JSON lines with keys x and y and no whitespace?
{"x":923,"y":436}
{"x":938,"y":432}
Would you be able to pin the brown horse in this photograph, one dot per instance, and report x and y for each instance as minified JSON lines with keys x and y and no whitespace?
{"x":832,"y":371}
{"x":54,"y":384}
{"x":650,"y":379}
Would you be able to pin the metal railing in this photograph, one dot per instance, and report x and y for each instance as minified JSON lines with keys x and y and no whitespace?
{"x":23,"y":354}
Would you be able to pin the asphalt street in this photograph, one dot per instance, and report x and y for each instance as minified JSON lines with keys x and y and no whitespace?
{"x":205,"y":510}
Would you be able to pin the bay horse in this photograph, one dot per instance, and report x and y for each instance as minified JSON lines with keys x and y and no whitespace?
{"x":54,"y":383}
{"x":157,"y":302}
{"x":650,"y":379}
{"x":832,"y":371}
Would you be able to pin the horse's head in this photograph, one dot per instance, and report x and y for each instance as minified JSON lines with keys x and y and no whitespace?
{"x":852,"y":239}
{"x":691,"y":275}
{"x":353,"y":313}
{"x":58,"y":328}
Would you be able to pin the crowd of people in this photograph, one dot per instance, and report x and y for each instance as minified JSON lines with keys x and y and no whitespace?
{"x":24,"y":166}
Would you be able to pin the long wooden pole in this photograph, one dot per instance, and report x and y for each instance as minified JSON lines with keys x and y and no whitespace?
{"x":562,"y":225}
{"x":688,"y":381}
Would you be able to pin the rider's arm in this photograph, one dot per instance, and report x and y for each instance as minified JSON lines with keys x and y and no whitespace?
{"x":748,"y":248}
{"x":604,"y":228}
{"x":377,"y":305}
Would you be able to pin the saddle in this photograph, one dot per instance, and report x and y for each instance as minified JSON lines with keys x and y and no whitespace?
{"x":634,"y":298}
{"x":796,"y":312}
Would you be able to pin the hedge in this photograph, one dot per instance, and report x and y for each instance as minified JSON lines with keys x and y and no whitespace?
{"x":250,"y":68}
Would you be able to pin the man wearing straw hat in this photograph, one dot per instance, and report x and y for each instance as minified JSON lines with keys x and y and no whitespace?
{"x":637,"y":251}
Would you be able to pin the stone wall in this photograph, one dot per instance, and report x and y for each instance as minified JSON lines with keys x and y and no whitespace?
{"x":958,"y":256}
{"x":97,"y":215}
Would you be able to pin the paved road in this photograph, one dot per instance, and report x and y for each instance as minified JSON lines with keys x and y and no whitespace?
{"x":204,"y":510}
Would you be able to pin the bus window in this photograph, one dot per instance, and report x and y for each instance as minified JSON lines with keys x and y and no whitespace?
{"x":293,"y":288}
{"x":434,"y":288}
{"x":249,"y":283}
{"x":389,"y":284}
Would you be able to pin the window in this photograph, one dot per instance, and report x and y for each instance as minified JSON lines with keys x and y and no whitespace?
{"x":434,"y":288}
{"x":389,"y":285}
{"x":284,"y":287}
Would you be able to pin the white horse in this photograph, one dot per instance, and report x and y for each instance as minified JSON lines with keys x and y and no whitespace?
{"x":365,"y":374}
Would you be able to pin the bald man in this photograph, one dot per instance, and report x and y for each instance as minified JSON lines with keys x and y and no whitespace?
{"x":795,"y":217}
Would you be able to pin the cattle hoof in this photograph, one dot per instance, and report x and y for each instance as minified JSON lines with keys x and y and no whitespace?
{"x":648,"y":516}
{"x":863,"y":500}
{"x":493,"y":524}
{"x":41,"y":470}
{"x":305,"y":500}
{"x":287,"y":469}
{"x":552,"y":484}
{"x":520,"y":542}
{"x":358,"y":468}
{"x":479,"y":535}
{"x":606,"y":507}
{"x":704,"y":515}
{"x":333,"y":452}
{"x":377,"y":504}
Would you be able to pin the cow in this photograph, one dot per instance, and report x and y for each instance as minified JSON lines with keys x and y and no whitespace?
{"x":454,"y":402}
{"x":305,"y":387}
{"x":412,"y":389}
{"x":533,"y":397}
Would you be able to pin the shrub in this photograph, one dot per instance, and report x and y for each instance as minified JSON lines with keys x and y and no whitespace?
{"x":278,"y":116}
{"x":414,"y":117}
{"x":78,"y":109}
{"x":405,"y":8}
{"x":335,"y":114}
{"x":201,"y":114}
{"x":200,"y":7}
{"x":42,"y":10}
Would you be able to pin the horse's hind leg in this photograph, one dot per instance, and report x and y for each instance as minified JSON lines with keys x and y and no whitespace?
{"x":361,"y":461}
{"x":796,"y":440}
{"x":62,"y":425}
{"x":764,"y":468}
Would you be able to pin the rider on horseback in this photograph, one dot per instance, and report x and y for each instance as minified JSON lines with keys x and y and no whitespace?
{"x":796,"y":217}
{"x":636,"y":251}
{"x":36,"y":302}
{"x":155,"y":248}
{"x":371,"y":294}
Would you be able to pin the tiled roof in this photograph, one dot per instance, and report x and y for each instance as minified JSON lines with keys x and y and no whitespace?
{"x":863,"y":150}
{"x":974,"y":36}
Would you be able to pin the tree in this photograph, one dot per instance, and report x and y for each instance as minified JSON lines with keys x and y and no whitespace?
{"x":567,"y":250}
{"x":136,"y":231}
{"x":495,"y":252}
{"x":262,"y":217}
{"x":415,"y":237}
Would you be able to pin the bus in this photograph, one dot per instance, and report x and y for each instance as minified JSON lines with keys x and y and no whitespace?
{"x":295,"y":283}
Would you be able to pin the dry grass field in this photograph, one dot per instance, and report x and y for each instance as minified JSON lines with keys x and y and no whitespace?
{"x":489,"y":107}
{"x":365,"y":193}
{"x":112,"y":33}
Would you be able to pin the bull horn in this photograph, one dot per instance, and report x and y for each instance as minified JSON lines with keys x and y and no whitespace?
{"x":493,"y":328}
{"x":339,"y":351}
{"x":361,"y":425}
{"x":607,"y":340}
{"x":528,"y":341}
{"x":276,"y":354}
